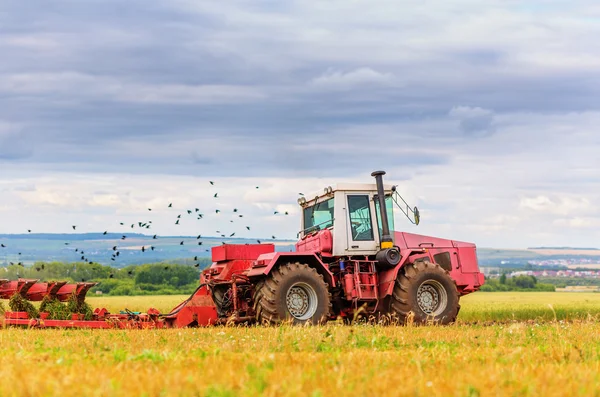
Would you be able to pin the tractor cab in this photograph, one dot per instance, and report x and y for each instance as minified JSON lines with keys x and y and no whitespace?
{"x":353,"y":219}
{"x":350,"y":215}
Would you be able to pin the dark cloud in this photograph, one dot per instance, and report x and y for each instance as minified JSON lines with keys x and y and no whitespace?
{"x":237,"y":88}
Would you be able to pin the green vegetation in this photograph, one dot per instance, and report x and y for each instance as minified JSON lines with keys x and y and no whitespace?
{"x":518,"y":283}
{"x":504,"y":343}
{"x":148,"y":279}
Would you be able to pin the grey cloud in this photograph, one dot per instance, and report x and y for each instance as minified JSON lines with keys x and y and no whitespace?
{"x":474,"y":121}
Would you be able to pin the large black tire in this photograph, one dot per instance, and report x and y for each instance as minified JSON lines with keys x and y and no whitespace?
{"x":427,"y":291}
{"x":293,"y":292}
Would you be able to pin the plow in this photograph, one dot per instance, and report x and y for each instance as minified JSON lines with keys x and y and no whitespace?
{"x":348,"y":262}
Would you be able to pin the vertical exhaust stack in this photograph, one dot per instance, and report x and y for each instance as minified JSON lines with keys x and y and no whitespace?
{"x":388,"y":255}
{"x":386,"y":238}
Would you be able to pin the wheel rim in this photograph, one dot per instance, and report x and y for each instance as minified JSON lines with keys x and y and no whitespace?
{"x":432,"y":297}
{"x":301,"y":301}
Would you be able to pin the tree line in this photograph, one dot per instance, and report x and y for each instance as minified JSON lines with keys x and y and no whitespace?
{"x":517,"y":283}
{"x":147,"y":279}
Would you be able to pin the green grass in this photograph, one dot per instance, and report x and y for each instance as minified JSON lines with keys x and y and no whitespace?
{"x":503,"y":344}
{"x":528,"y":306}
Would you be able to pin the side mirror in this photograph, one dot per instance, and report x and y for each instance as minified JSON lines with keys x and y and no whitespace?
{"x":417,"y":216}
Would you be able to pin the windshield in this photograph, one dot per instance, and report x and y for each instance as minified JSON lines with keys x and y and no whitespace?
{"x":389,"y":206}
{"x":319,"y":216}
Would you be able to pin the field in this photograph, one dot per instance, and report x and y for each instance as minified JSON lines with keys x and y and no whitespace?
{"x":503,"y":344}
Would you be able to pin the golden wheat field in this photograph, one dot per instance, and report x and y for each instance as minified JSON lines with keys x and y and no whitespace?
{"x":514,"y":344}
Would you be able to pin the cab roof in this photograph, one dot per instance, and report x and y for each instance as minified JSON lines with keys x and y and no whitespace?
{"x":347,"y":187}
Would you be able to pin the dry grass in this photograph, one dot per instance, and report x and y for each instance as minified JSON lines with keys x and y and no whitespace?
{"x":536,"y":357}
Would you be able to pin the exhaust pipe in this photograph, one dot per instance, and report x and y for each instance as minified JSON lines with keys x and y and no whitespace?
{"x":388,"y":256}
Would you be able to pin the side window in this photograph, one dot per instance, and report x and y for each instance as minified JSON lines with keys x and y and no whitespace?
{"x":360,"y":218}
{"x":389,"y":207}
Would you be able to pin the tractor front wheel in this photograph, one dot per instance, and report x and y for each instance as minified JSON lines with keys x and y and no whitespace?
{"x":293,"y":292}
{"x":427,"y":291}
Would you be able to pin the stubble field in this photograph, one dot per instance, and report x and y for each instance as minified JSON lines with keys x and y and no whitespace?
{"x":503,"y":344}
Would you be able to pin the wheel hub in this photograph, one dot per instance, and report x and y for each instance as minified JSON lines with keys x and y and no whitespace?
{"x":301,"y":301}
{"x":432,"y":297}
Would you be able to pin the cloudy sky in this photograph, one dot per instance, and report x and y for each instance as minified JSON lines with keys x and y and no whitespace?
{"x":485,"y":113}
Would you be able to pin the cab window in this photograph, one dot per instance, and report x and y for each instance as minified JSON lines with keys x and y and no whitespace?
{"x":360,"y":218}
{"x":318,"y":216}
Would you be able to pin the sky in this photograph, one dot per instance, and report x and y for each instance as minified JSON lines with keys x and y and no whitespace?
{"x":485,"y":114}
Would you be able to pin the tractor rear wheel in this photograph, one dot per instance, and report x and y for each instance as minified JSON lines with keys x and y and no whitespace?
{"x":427,"y":291}
{"x":293,"y":292}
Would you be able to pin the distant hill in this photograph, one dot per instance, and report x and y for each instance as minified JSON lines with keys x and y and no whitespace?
{"x":564,"y":248}
{"x":97,"y":247}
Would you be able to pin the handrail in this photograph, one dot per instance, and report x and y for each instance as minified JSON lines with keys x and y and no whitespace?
{"x":416,"y":216}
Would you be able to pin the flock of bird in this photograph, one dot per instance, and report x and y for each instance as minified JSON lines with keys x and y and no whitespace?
{"x":81,"y":256}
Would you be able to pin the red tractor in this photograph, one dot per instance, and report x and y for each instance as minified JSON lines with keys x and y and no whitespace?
{"x":347,"y":262}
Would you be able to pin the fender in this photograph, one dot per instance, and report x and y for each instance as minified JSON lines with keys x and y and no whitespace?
{"x":387,"y":278}
{"x":266,"y":262}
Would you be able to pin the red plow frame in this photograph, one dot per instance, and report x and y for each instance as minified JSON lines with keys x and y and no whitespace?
{"x":198,"y":309}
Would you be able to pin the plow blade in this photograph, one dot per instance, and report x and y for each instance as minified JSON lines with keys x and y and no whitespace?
{"x":198,"y":310}
{"x":35,"y":291}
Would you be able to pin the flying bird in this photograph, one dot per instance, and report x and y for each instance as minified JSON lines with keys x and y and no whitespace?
{"x":28,"y":230}
{"x":195,"y":258}
{"x":258,"y":241}
{"x":149,"y":209}
{"x":197,"y":209}
{"x":171,"y":205}
{"x":286,"y":213}
{"x":189,"y":212}
{"x":74,"y":227}
{"x":216,"y":194}
{"x":121,"y":223}
{"x":111,"y":275}
{"x":177,"y":223}
{"x":232,"y":234}
{"x":115,"y":248}
{"x":217,"y":211}
{"x":181,"y":243}
{"x":248,"y":227}
{"x":211,"y":182}
{"x":197,"y":265}
{"x":199,"y":236}
{"x":235,"y":210}
{"x":200,"y":243}
{"x":2,"y":245}
{"x":143,"y":249}
{"x":123,"y":238}
{"x":179,"y":216}
{"x":105,"y":233}
{"x":275,"y":212}
{"x":273,"y":237}
{"x":154,"y":237}
{"x":152,"y":248}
